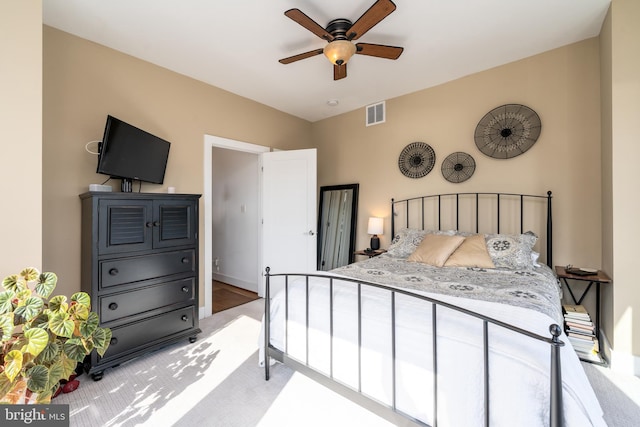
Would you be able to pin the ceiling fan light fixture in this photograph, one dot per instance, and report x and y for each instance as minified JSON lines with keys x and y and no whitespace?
{"x":339,"y":51}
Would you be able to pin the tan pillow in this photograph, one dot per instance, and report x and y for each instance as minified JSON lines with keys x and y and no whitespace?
{"x":471,"y":253}
{"x":435,"y":249}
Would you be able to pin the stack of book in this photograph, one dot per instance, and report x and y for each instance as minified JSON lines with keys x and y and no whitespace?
{"x":581,"y":332}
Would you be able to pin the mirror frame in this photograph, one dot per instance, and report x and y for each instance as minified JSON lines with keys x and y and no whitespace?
{"x":354,"y":214}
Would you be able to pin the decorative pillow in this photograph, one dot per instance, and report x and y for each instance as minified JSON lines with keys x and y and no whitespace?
{"x":435,"y":249}
{"x":406,"y":241}
{"x":471,"y":253}
{"x":511,"y":250}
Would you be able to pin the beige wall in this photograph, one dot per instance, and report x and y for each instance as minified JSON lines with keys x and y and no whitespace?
{"x":625,"y":150}
{"x":83,"y":82}
{"x":562,"y":86}
{"x":20,"y":135}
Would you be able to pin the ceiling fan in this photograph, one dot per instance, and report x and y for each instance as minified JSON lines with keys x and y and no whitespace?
{"x":340,"y":33}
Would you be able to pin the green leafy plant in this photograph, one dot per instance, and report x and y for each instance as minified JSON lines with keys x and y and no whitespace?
{"x":42,"y":342}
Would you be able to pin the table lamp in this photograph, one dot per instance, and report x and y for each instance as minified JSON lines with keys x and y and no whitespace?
{"x":375,"y":228}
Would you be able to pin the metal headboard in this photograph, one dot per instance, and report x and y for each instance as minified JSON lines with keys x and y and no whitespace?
{"x":407,"y":208}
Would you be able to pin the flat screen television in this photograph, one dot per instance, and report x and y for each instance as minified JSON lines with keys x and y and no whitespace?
{"x":129,"y":153}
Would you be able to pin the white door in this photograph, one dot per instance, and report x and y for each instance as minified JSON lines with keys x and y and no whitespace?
{"x":289,"y":241}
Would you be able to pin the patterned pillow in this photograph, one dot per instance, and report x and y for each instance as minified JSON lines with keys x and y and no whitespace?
{"x":407,"y":240}
{"x":511,"y":250}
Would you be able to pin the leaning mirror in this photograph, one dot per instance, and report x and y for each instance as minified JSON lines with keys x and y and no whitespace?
{"x":337,"y":225}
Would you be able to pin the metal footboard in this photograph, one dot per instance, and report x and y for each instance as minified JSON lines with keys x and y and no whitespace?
{"x":556,"y":418}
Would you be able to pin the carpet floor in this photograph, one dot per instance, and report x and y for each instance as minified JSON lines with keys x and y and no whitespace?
{"x":217,"y":382}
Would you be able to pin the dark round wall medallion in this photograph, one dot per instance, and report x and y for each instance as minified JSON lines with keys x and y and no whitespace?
{"x":458,"y":167}
{"x":507,"y":131}
{"x":416,"y":160}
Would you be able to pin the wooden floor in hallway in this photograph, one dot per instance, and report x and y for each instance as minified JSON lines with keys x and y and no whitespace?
{"x":227,"y":296}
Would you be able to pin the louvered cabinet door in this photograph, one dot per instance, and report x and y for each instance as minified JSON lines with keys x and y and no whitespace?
{"x":174,"y":222}
{"x":125,"y":225}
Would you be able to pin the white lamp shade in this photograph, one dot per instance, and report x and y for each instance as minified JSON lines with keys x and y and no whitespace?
{"x":375,"y":225}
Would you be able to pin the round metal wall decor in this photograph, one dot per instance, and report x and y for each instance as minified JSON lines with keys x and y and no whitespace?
{"x":416,"y":160}
{"x":507,"y":131}
{"x":458,"y":167}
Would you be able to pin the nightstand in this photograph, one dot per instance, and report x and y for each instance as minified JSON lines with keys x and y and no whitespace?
{"x":600,"y":277}
{"x":370,"y":254}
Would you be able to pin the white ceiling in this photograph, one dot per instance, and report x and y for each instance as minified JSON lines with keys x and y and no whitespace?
{"x":235,"y":44}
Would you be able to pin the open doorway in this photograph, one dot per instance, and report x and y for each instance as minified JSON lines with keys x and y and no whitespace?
{"x":235,"y":219}
{"x":220,"y":206}
{"x":287,"y":221}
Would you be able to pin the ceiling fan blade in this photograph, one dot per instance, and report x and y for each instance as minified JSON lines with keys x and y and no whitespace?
{"x":308,"y":23}
{"x":300,"y":56}
{"x":379,"y":50}
{"x":376,"y":13}
{"x":339,"y":71}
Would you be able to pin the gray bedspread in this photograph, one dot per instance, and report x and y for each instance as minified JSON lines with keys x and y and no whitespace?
{"x":536,"y":289}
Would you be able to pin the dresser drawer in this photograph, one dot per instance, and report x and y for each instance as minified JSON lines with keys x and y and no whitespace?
{"x":135,"y":336}
{"x":123,"y":304}
{"x":127,"y":270}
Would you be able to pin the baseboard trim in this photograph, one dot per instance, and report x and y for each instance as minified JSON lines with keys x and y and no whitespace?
{"x":244,"y":284}
{"x":624,"y":363}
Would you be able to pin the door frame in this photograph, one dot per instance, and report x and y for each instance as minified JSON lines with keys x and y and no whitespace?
{"x":211,"y":141}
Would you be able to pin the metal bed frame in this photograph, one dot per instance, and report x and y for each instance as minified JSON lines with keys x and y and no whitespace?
{"x":555,"y":404}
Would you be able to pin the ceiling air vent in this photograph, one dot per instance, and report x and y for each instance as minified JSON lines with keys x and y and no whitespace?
{"x":375,"y":113}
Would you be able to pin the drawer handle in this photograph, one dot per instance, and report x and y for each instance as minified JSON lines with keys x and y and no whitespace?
{"x":113,"y":306}
{"x":113,"y":341}
{"x":185,"y":289}
{"x":185,"y":260}
{"x":113,"y":271}
{"x":149,"y":224}
{"x":184,"y":317}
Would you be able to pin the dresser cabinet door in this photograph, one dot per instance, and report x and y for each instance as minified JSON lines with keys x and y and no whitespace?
{"x":174,"y":223}
{"x":125,"y":225}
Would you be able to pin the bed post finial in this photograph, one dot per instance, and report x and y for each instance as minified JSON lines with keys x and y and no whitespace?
{"x":555,"y":413}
